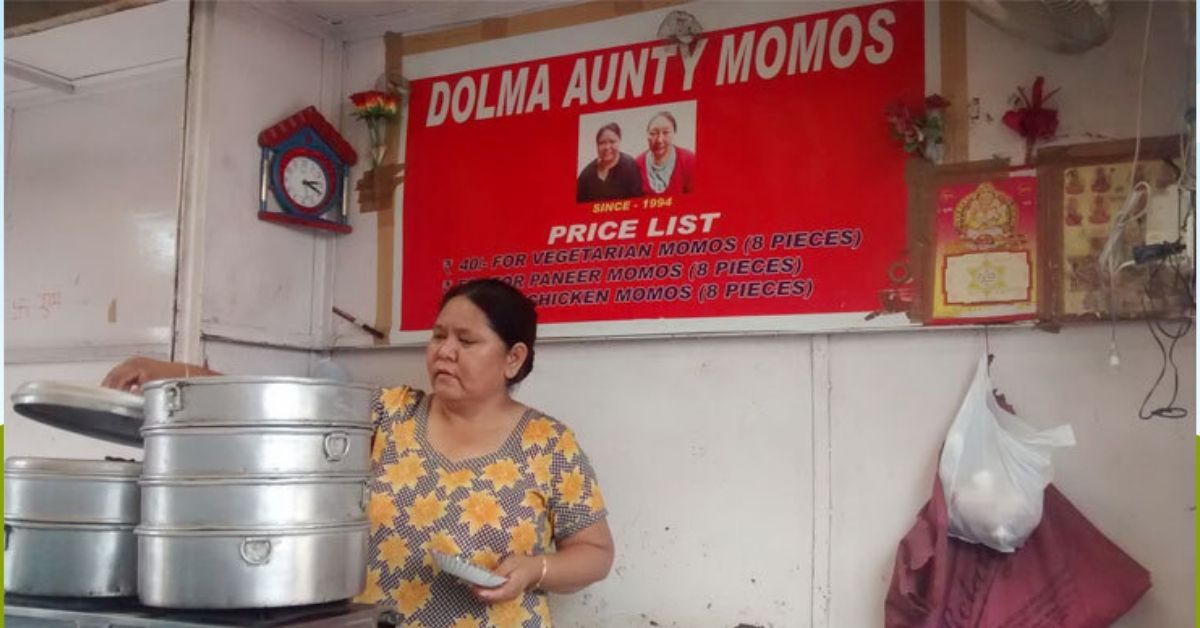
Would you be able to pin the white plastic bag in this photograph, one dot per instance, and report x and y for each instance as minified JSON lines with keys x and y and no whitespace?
{"x":994,"y":468}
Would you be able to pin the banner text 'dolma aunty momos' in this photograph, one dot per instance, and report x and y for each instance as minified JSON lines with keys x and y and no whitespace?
{"x":618,"y":76}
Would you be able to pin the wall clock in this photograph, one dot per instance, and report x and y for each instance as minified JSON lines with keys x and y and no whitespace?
{"x":304,"y":168}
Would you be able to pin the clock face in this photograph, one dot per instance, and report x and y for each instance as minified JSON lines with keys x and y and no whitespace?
{"x":306,"y":181}
{"x":304,"y":168}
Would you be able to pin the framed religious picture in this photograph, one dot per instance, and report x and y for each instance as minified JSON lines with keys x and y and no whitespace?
{"x":1117,"y":231}
{"x":974,"y":230}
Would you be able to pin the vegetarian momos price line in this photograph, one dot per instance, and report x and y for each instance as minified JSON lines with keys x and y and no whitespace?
{"x":659,"y":259}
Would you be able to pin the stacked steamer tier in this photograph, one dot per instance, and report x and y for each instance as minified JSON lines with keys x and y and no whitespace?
{"x":254,"y":492}
{"x":68,"y":524}
{"x":68,"y":527}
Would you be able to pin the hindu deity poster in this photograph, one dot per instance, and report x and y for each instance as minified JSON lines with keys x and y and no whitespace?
{"x":1092,"y":196}
{"x":986,"y":250}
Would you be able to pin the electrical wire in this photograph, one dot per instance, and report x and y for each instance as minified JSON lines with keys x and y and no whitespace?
{"x":1166,"y":338}
{"x":1109,"y":258}
{"x":1166,"y":344}
{"x":1134,"y":207}
{"x":1187,"y":151}
{"x":1169,"y":411}
{"x":1186,"y":212}
{"x":1108,"y":255}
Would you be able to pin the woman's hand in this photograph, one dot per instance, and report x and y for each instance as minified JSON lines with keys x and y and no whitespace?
{"x":579,"y":560}
{"x":522,"y":572}
{"x":135,"y":372}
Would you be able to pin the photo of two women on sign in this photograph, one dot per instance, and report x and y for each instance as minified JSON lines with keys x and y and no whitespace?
{"x":663,"y":165}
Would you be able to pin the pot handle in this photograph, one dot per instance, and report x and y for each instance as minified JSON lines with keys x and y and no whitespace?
{"x":366,"y":496}
{"x":173,"y":394}
{"x":337,"y":445}
{"x":256,"y":551}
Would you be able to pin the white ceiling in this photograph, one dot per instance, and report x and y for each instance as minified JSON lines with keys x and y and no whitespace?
{"x":139,"y":37}
{"x":157,"y":34}
{"x":359,"y":19}
{"x":343,"y":11}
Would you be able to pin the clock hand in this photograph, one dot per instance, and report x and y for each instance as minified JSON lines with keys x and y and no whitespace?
{"x":311,"y":185}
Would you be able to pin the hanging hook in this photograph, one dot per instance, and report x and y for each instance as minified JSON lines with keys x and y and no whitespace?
{"x":680,"y":26}
{"x":987,"y":347}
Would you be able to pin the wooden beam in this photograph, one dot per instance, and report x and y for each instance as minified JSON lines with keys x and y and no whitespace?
{"x":394,"y":46}
{"x":526,"y":23}
{"x":953,"y":19}
{"x":24,"y":17}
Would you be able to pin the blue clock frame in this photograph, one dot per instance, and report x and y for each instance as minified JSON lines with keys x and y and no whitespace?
{"x":306,"y":133}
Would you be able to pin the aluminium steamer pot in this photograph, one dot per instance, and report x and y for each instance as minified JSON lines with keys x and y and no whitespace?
{"x":254,"y":492}
{"x":255,"y":401}
{"x":229,"y":569}
{"x":68,"y":527}
{"x":180,"y":452}
{"x":60,"y":490}
{"x":70,"y":559}
{"x":254,"y":503}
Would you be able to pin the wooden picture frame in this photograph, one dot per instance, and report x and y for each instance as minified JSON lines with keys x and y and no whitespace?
{"x":1083,"y":187}
{"x":931,"y":305}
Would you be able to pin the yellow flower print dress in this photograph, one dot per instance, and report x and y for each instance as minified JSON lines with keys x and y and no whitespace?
{"x":537,"y":488}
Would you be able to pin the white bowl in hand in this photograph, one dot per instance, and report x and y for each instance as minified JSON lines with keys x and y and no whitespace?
{"x":465,"y":571}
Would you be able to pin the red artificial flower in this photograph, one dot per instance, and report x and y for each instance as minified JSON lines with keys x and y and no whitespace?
{"x":934,"y":102}
{"x":919,"y":134}
{"x":1033,"y":120}
{"x":362,"y":100}
{"x":375,"y":108}
{"x":390,"y":105}
{"x":374,"y":104}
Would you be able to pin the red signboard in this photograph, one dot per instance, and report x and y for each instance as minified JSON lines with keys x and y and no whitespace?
{"x":749,"y":172}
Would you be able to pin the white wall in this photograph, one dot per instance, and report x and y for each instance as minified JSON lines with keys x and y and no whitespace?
{"x":91,"y":205}
{"x":355,"y":259}
{"x":1098,"y":89}
{"x":768,"y":480}
{"x":92,"y":199}
{"x":258,"y":281}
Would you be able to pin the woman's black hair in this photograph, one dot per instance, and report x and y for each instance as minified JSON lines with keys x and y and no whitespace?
{"x":510,"y":314}
{"x":611,"y":126}
{"x":663,"y":114}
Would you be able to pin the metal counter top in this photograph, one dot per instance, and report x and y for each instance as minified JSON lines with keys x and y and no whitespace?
{"x":44,"y":612}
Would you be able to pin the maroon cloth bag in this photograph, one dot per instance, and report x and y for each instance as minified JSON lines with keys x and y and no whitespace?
{"x":1067,"y":575}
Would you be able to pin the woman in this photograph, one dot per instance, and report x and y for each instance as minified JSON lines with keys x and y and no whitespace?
{"x":612,"y":174}
{"x":468,"y":470}
{"x":666,"y":168}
